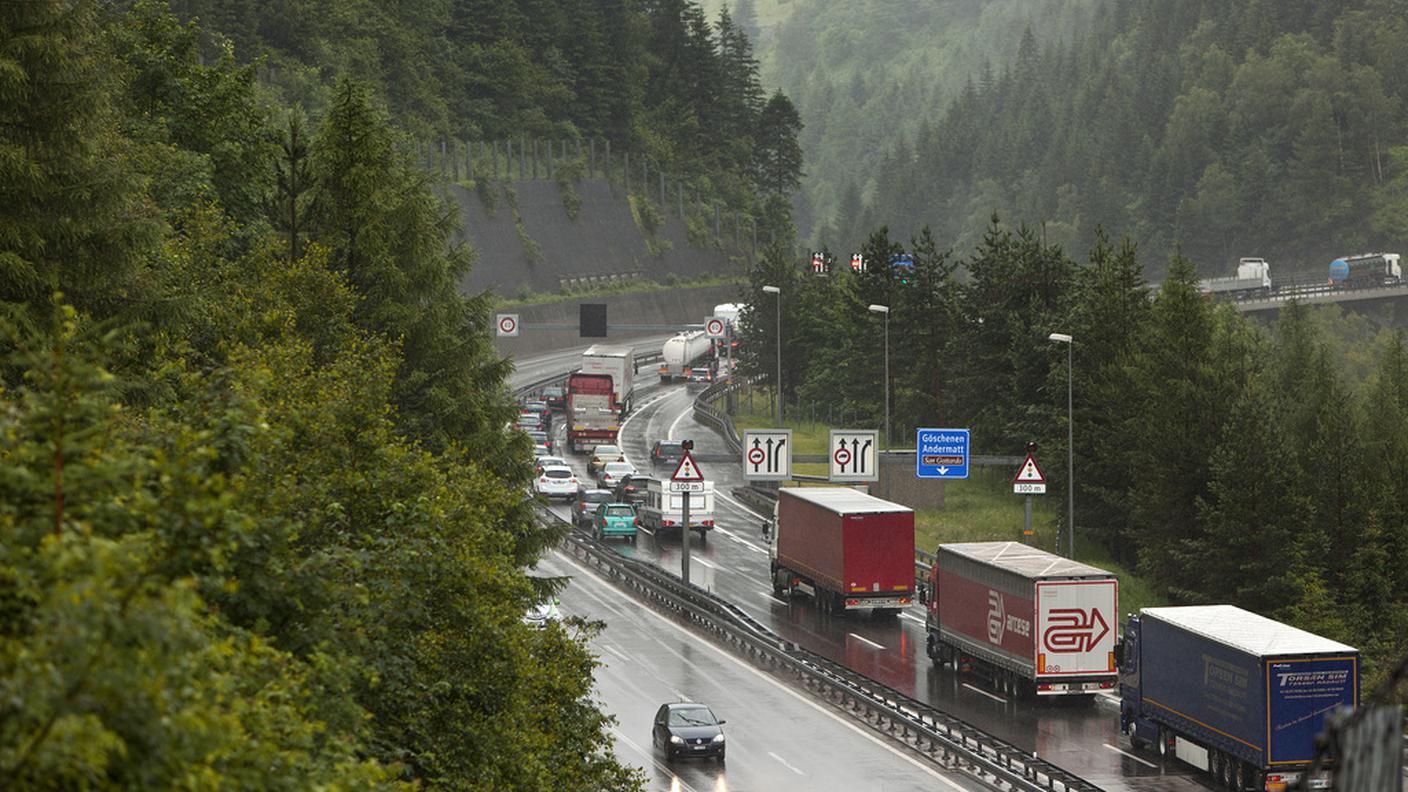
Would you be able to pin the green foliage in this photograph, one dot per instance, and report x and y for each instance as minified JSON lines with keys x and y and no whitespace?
{"x":570,"y":171}
{"x":261,"y":523}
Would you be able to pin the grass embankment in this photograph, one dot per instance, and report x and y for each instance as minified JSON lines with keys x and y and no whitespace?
{"x":980,"y":508}
{"x":528,"y":297}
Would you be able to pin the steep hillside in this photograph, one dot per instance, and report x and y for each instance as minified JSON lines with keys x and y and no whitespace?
{"x":868,"y":74}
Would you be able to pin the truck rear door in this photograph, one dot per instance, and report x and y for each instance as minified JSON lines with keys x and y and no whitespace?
{"x":1076,"y":626}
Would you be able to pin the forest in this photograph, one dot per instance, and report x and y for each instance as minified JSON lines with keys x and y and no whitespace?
{"x":659,"y":78}
{"x":262,"y":521}
{"x":1227,"y":461}
{"x":1216,"y":130}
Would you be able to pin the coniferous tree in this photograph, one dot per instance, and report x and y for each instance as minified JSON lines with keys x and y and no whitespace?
{"x":779,"y":156}
{"x":72,"y":212}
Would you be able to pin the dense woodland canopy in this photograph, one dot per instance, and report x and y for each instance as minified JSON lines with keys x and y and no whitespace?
{"x":1224,"y":460}
{"x":657,"y":77}
{"x":1215,"y":129}
{"x":261,"y":523}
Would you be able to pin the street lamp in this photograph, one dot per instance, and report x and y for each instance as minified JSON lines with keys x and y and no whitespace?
{"x":885,"y":309}
{"x":777,"y":383}
{"x":1062,"y":338}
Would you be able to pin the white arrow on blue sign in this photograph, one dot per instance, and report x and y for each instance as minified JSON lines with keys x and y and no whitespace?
{"x":941,"y":453}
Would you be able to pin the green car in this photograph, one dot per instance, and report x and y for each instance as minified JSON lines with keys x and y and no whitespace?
{"x":614,"y":519}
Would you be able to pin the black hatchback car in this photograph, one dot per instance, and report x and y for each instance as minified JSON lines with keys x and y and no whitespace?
{"x":666,"y":452}
{"x":687,"y":729}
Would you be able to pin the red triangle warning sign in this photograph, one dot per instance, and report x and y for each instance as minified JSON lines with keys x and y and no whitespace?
{"x":687,"y":470}
{"x":1029,"y":473}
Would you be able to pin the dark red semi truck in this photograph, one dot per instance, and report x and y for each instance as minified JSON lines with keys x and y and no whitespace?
{"x":593,"y":416}
{"x":847,"y":549}
{"x":1030,"y":621}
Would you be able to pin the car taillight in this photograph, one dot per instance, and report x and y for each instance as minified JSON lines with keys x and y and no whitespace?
{"x":667,"y":522}
{"x":572,"y":480}
{"x":543,"y":480}
{"x":636,"y":521}
{"x":1107,"y":685}
{"x":1043,"y":687}
{"x":709,"y":523}
{"x":905,"y":600}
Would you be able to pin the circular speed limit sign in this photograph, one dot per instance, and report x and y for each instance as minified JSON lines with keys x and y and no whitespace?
{"x":508,"y":325}
{"x":714,"y":328}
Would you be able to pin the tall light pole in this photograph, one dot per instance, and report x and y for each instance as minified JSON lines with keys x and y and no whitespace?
{"x":885,"y":309}
{"x":1062,"y":338}
{"x":777,"y":383}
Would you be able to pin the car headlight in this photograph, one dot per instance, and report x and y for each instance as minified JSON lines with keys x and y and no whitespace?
{"x":675,"y":738}
{"x":718,"y":738}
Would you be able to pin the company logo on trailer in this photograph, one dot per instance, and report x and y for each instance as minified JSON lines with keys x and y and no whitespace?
{"x":1074,"y":630}
{"x":999,"y":622}
{"x":996,"y":617}
{"x":1309,"y":678}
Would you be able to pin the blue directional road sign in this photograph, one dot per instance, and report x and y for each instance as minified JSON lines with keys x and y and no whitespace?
{"x":941,"y":453}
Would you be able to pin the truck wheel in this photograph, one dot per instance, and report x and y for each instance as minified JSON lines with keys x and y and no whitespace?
{"x":1239,"y":778}
{"x":703,"y":536}
{"x":931,"y":648}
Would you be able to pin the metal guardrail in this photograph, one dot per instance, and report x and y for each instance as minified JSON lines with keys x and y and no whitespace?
{"x":944,"y":739}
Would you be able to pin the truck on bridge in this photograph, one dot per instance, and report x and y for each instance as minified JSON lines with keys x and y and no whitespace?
{"x":1253,"y":279}
{"x":1231,"y":692}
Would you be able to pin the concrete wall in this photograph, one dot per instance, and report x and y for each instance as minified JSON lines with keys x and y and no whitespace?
{"x":602,"y":239}
{"x":684,"y":305}
{"x":899,"y":484}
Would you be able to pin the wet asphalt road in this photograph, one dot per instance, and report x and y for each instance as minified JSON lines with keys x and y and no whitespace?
{"x":1080,"y":736}
{"x":778,"y":738}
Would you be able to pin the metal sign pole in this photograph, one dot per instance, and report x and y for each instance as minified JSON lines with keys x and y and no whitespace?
{"x":1027,"y":532}
{"x":684,"y":539}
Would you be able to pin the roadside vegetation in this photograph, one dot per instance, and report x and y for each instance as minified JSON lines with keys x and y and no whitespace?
{"x":1224,"y":460}
{"x":981,"y":508}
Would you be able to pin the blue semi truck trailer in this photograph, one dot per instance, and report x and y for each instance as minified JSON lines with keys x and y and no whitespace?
{"x":1233,"y":693}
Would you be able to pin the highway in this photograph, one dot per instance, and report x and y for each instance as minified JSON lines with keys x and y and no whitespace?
{"x":1082,"y":737}
{"x":778,"y":737}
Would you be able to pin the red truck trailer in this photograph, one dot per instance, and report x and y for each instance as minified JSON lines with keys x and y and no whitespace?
{"x":592,"y":417}
{"x":847,"y":549}
{"x":1030,"y":621}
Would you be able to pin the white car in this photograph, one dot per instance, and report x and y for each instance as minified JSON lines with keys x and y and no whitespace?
{"x":540,"y":616}
{"x":557,"y":481}
{"x":543,"y":462}
{"x":612,"y":473}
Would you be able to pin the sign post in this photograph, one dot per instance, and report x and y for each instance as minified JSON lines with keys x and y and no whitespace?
{"x":1029,"y":481}
{"x":686,"y":479}
{"x":853,"y":455}
{"x":941,"y":453}
{"x":767,"y":454}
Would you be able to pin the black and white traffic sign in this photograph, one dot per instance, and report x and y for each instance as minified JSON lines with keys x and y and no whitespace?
{"x":767,"y":454}
{"x":853,"y":454}
{"x":506,"y":325}
{"x":715,"y":327}
{"x":1029,"y":480}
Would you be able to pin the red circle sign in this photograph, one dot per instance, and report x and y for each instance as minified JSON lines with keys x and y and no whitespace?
{"x":508,"y":325}
{"x":714,"y":327}
{"x":842,"y":456}
{"x":756,"y":456}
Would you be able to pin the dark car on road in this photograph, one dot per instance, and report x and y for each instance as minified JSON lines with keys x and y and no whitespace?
{"x":555,"y":396}
{"x":631,"y":489}
{"x":666,"y":452}
{"x":586,"y":504}
{"x":685,"y":729}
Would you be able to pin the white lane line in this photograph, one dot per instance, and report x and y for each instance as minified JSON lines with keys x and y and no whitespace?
{"x":621,"y":432}
{"x":670,"y":433}
{"x":613,"y":650}
{"x":784,"y":763}
{"x":982,"y":692}
{"x":912,"y":618}
{"x":676,"y":781}
{"x":774,"y":597}
{"x":863,"y":639}
{"x":753,"y":512}
{"x":693,"y":559}
{"x":1144,"y":762}
{"x":844,"y":722}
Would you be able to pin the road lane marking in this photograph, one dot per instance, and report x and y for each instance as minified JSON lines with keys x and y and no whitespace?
{"x":785,"y":764}
{"x":677,"y":782}
{"x":982,"y":692}
{"x":775,"y":598}
{"x":693,"y":559}
{"x":843,"y":722}
{"x":670,"y":433}
{"x":912,"y":618}
{"x":863,"y":639}
{"x":1144,"y":762}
